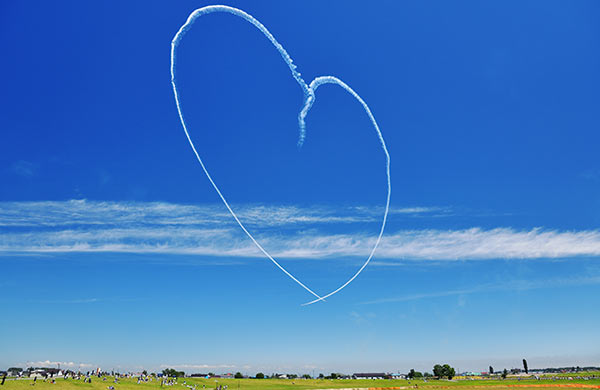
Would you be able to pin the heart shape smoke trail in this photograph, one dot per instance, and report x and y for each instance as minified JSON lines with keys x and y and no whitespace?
{"x":309,"y":99}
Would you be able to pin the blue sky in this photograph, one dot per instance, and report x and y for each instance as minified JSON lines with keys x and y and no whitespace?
{"x":116,"y":251}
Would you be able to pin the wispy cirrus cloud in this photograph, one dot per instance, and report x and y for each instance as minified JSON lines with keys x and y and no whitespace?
{"x":50,"y":363}
{"x":286,"y":231}
{"x":511,"y":285}
{"x":23,"y":168}
{"x":74,"y":301}
{"x":469,"y":244}
{"x":81,"y":300}
{"x":197,"y":366}
{"x":83,"y":212}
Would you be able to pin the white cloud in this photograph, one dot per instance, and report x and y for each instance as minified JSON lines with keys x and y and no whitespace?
{"x":23,"y":168}
{"x":477,"y":243}
{"x":197,"y":366}
{"x":285,"y":231}
{"x":507,"y":285}
{"x":69,"y":365}
{"x":83,"y":212}
{"x":60,"y":301}
{"x":468,"y":244}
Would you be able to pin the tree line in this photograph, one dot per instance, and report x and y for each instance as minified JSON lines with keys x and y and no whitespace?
{"x":439,"y":371}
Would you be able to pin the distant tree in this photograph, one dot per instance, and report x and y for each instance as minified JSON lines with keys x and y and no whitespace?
{"x":321,"y":376}
{"x":525,"y":366}
{"x":449,"y":372}
{"x":211,"y":374}
{"x":145,"y":372}
{"x":491,"y":370}
{"x":306,"y":376}
{"x":427,"y":374}
{"x":333,"y":375}
{"x":504,"y":373}
{"x":418,"y":374}
{"x":260,"y":375}
{"x":411,"y":373}
{"x":238,"y":375}
{"x":173,"y":372}
{"x":438,"y":371}
{"x":292,"y":376}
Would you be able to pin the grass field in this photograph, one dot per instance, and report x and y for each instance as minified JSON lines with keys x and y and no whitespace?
{"x":288,"y":384}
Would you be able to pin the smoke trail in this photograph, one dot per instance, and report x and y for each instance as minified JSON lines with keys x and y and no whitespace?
{"x":318,"y":81}
{"x":308,"y":93}
{"x":309,"y":98}
{"x":221,"y":8}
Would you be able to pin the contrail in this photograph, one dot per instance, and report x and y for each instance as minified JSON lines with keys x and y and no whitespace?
{"x":193,"y":16}
{"x":309,"y":98}
{"x":318,"y":81}
{"x":238,"y":12}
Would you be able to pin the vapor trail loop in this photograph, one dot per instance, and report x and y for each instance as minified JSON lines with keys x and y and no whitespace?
{"x":309,"y":99}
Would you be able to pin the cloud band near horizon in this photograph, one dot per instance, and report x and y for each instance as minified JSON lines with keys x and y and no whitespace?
{"x":291,"y":232}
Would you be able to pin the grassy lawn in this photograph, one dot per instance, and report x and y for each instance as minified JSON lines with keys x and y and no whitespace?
{"x":289,"y":384}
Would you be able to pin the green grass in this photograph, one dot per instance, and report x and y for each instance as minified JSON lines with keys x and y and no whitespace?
{"x":288,"y":384}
